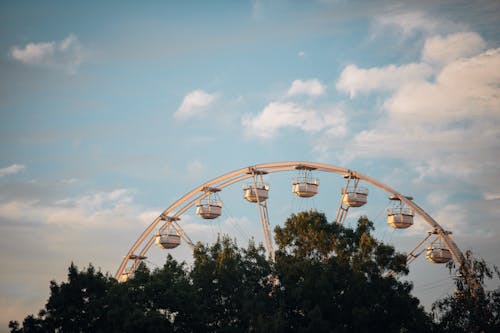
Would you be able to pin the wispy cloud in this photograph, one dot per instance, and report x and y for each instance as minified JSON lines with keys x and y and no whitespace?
{"x":12,"y":169}
{"x":410,"y":22}
{"x":70,"y":180}
{"x":278,"y":115}
{"x":311,"y":87}
{"x":98,"y":209}
{"x":354,"y":80}
{"x":194,"y":103}
{"x":66,"y":54}
{"x":491,"y":196}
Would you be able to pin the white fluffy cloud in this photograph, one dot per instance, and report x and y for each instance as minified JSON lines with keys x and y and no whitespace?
{"x":194,"y":103}
{"x":444,"y":49}
{"x":354,"y":80}
{"x":34,"y":53}
{"x":465,"y":89}
{"x":312,"y":87}
{"x":12,"y":169}
{"x":66,"y":54}
{"x":448,"y":126}
{"x":278,"y":115}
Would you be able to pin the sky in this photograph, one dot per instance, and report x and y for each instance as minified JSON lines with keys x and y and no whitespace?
{"x":111,"y":111}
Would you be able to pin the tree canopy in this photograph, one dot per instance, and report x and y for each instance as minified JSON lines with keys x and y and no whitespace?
{"x":325,"y":278}
{"x":470,"y":310}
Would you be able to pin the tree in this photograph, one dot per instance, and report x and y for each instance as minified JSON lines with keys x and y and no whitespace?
{"x":232,"y":287}
{"x":78,"y":305}
{"x":335,"y":279}
{"x":470,"y":310}
{"x":326,"y":278}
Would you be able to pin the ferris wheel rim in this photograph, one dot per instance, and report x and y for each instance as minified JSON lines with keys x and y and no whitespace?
{"x":244,"y":173}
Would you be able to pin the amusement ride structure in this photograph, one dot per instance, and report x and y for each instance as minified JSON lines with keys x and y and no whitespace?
{"x":166,"y":230}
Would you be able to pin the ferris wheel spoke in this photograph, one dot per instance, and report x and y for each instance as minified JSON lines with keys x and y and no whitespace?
{"x":183,"y":234}
{"x":413,"y":254}
{"x":352,"y":196}
{"x":258,"y":192}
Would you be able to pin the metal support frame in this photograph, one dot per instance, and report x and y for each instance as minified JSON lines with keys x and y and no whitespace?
{"x":263,"y":213}
{"x":211,"y":193}
{"x":146,"y":239}
{"x":411,"y":256}
{"x":343,"y":208}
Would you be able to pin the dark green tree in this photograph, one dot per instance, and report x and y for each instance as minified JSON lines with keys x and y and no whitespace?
{"x":79,"y":305}
{"x":335,"y":279}
{"x":469,"y":310}
{"x":232,"y":287}
{"x":326,"y":278}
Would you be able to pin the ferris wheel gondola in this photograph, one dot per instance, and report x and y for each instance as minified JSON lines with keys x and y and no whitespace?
{"x":399,"y":216}
{"x":209,"y":207}
{"x":305,"y":186}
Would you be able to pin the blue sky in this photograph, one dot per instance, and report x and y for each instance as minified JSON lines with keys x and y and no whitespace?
{"x":111,"y":111}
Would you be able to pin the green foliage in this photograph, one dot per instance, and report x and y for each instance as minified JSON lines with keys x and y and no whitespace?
{"x":470,"y":310}
{"x":326,"y":278}
{"x":231,"y":286}
{"x":308,"y":235}
{"x":79,"y":305}
{"x":343,"y":284}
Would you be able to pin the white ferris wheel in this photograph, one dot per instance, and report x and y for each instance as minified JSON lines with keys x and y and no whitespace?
{"x":167,"y":232}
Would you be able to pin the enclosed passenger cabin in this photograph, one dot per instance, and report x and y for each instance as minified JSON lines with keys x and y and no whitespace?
{"x":438,"y":254}
{"x":352,"y":194}
{"x":305,"y":189}
{"x":256,"y":193}
{"x":355,"y":197}
{"x":399,"y":216}
{"x":210,"y":207}
{"x":167,"y":239}
{"x":305,"y":186}
{"x":209,"y":210}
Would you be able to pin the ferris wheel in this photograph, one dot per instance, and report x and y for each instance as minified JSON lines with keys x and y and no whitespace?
{"x":167,"y":232}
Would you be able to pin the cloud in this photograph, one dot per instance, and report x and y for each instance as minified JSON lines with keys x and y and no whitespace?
{"x":410,"y":22}
{"x":312,"y":87}
{"x":99,"y":209}
{"x":66,"y":54}
{"x":278,"y":115}
{"x":444,"y":49}
{"x":354,"y":80}
{"x":491,"y":196}
{"x":465,"y":88}
{"x":448,"y":126}
{"x":452,"y":216}
{"x":33,"y":53}
{"x":194,"y":104}
{"x":70,"y":180}
{"x":12,"y":169}
{"x":301,"y":54}
{"x":148,"y":217}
